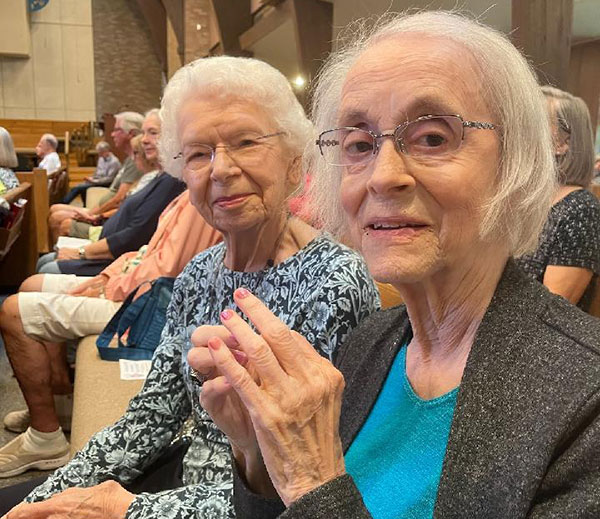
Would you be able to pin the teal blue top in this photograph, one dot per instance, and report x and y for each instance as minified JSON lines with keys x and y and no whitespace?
{"x":396,"y":459}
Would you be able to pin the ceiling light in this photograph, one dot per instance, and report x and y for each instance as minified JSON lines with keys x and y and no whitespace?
{"x":299,"y":81}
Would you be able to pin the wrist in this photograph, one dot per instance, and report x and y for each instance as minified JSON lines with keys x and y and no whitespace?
{"x":81,"y":252}
{"x":253,"y":470}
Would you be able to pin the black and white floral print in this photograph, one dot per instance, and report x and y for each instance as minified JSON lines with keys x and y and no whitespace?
{"x":570,"y":238}
{"x":322,"y":291}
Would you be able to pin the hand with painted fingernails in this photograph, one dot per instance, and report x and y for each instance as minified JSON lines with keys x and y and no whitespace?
{"x":222,"y":403}
{"x":290,"y":393}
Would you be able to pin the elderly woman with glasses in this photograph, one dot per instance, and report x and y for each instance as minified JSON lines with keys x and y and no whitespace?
{"x":234,"y":130}
{"x":567,"y":259}
{"x":478,"y":398}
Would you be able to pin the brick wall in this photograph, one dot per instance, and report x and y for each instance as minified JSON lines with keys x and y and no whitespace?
{"x":128,"y":73}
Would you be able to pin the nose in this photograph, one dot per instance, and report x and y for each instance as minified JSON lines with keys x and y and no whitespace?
{"x":223,"y":166}
{"x":390,"y":173}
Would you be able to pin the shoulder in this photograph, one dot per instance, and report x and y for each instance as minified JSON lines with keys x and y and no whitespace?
{"x":328,"y":252}
{"x":578,"y":204}
{"x":207,"y":260}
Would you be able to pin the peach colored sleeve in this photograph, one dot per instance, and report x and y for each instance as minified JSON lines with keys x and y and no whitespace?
{"x":187,"y":235}
{"x":116,"y":267}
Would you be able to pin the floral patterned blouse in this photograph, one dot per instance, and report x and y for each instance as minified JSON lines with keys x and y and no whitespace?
{"x":8,"y":180}
{"x":322,"y":291}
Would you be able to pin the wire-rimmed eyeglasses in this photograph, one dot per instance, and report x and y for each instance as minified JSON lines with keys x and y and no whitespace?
{"x":201,"y":156}
{"x":426,"y":136}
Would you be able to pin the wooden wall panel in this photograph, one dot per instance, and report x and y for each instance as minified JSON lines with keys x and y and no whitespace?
{"x":584,"y":76}
{"x":542,"y":30}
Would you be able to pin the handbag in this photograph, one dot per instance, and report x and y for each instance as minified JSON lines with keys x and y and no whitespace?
{"x":145,"y":319}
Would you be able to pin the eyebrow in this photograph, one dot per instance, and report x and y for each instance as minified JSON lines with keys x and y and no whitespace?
{"x":426,"y":105}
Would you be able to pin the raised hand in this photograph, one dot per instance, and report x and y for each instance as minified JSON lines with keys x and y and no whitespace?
{"x":292,"y":396}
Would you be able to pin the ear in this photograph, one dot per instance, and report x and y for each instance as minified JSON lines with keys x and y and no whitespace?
{"x":294,"y":173}
{"x":563,"y":146}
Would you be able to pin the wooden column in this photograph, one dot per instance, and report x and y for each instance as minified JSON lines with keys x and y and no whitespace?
{"x":233,"y":18}
{"x":197,"y":15}
{"x":584,"y":76}
{"x":542,"y":30}
{"x":313,"y":30}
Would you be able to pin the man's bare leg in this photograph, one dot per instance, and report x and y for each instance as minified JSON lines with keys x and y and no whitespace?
{"x":31,"y":364}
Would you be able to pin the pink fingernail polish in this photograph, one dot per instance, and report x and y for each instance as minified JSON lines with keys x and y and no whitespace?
{"x":214,"y":344}
{"x":242,"y":293}
{"x":226,"y":314}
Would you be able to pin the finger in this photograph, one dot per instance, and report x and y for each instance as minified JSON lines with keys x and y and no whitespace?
{"x":256,"y":348}
{"x":236,"y":375}
{"x":272,"y":329}
{"x":214,"y":391}
{"x":202,"y":334}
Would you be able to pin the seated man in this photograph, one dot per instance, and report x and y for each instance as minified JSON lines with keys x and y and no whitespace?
{"x":106,"y":170}
{"x":53,"y":308}
{"x":62,"y":217}
{"x":46,"y":151}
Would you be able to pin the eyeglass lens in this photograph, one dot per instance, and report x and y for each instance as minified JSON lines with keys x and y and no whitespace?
{"x":429,"y":137}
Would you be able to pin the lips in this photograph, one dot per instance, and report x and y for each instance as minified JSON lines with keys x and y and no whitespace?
{"x":402,"y":227}
{"x":231,"y":200}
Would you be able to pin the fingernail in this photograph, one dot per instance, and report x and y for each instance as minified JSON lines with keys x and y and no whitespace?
{"x":214,"y":344}
{"x":242,"y":292}
{"x":226,"y":314}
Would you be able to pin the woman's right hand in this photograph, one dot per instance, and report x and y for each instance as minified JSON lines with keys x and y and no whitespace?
{"x":91,"y":288}
{"x":226,"y":409}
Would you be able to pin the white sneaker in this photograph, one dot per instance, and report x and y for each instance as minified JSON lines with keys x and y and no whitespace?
{"x":18,"y":421}
{"x":15,"y":459}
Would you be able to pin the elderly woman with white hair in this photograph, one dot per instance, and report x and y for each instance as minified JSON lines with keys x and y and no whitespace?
{"x":8,"y":160}
{"x":567,"y":259}
{"x":234,"y":130}
{"x":478,"y":398}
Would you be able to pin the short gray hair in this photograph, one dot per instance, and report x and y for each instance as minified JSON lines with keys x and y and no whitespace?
{"x":243,"y":78}
{"x":102,"y":146}
{"x":8,"y":157}
{"x":576,"y":166}
{"x":526,"y":178}
{"x":50,"y":139}
{"x":130,"y":121}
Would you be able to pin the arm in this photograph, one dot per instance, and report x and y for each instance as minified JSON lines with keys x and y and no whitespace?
{"x":123,"y":450}
{"x":574,"y":251}
{"x":115,"y":201}
{"x":184,"y":237}
{"x":570,"y":486}
{"x":568,"y":282}
{"x":97,"y":250}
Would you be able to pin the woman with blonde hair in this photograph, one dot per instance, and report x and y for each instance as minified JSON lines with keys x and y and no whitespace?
{"x":567,"y":258}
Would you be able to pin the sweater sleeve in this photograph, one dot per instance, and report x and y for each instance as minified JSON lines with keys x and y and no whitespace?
{"x":144,"y":221}
{"x":187,"y":235}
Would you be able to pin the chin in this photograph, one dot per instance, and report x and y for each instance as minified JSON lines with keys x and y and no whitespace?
{"x":399,"y":267}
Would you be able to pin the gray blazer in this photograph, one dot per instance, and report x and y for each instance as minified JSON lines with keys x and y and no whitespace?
{"x":525,"y":436}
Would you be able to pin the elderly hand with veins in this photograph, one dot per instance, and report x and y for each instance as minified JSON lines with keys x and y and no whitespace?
{"x":289,"y":394}
{"x":109,"y":500}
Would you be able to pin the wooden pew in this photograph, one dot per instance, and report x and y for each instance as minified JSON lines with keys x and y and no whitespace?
{"x":39,"y":180}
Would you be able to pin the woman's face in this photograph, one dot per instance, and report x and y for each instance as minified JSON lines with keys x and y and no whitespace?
{"x":414,"y":217}
{"x":237,"y":192}
{"x":150,"y":135}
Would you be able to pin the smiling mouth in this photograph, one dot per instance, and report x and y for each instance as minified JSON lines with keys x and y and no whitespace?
{"x":393,"y":226}
{"x":229,"y":201}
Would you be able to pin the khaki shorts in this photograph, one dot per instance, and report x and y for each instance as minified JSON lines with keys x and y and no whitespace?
{"x":53,"y":316}
{"x":79,"y":229}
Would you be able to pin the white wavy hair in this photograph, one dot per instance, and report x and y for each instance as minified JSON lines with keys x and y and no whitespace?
{"x":242,"y":78}
{"x":526,"y":179}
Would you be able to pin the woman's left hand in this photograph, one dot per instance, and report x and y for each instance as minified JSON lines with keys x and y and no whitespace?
{"x":294,"y":407}
{"x":67,"y":254}
{"x":108,"y":500}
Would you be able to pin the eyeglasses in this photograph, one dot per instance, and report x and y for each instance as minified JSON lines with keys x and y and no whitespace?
{"x":426,"y":136}
{"x":242,"y":150}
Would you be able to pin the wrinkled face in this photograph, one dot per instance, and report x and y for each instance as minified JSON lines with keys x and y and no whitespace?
{"x":119,"y":136}
{"x":150,"y":135}
{"x":43,"y":148}
{"x":238,"y":191}
{"x":415,"y":216}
